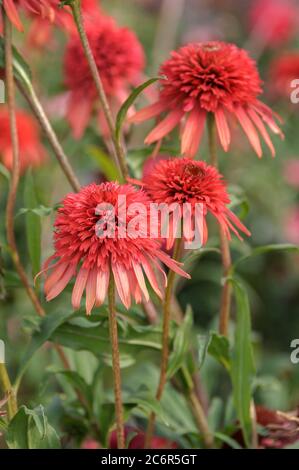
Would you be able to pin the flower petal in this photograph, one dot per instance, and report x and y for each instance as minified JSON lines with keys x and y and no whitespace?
{"x":79,"y":287}
{"x":223,"y":129}
{"x":165,"y":126}
{"x":193,"y":131}
{"x":249,"y":130}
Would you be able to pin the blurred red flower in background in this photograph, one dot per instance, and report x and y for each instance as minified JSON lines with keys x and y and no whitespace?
{"x":79,"y":247}
{"x":291,"y":172}
{"x":45,"y":8}
{"x":291,"y":225}
{"x":274,"y":22}
{"x":32,"y":152}
{"x":182,"y":180}
{"x":120,"y":60}
{"x":282,"y":72}
{"x":213,"y":77}
{"x":136,"y":440}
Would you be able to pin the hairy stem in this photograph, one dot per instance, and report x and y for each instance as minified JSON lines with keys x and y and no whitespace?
{"x":201,"y":420}
{"x":165,"y":342}
{"x":31,"y":97}
{"x":116,"y":366}
{"x":119,"y":151}
{"x":12,"y":406}
{"x":225,"y":305}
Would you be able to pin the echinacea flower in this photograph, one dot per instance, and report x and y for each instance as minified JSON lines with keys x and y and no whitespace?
{"x":41,"y":29}
{"x":181,"y":181}
{"x":283,"y":71}
{"x":120,"y":59}
{"x":273,"y":22}
{"x":32,"y":152}
{"x":44,"y":8}
{"x":91,"y":256}
{"x":213,"y":77}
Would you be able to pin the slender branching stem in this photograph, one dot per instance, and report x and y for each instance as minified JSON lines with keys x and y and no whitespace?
{"x":116,"y":365}
{"x":165,"y":342}
{"x":119,"y":151}
{"x":225,"y":305}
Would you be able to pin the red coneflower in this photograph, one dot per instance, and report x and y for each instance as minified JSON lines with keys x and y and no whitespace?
{"x":120,"y":59}
{"x":81,"y":252}
{"x":45,"y":8}
{"x":283,"y":71}
{"x":32,"y":152}
{"x":212,"y":77}
{"x":273,"y":22}
{"x":181,"y":180}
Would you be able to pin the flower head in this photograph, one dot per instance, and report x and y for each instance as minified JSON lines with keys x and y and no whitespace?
{"x":182,"y":181}
{"x":44,"y":8}
{"x":213,"y":77}
{"x":273,"y":22}
{"x":90,"y":244}
{"x":120,"y":59}
{"x":283,"y":71}
{"x":32,"y":152}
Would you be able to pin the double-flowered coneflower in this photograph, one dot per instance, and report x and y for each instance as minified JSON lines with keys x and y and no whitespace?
{"x":213,"y":77}
{"x":120,"y":60}
{"x":182,"y":181}
{"x":91,"y":245}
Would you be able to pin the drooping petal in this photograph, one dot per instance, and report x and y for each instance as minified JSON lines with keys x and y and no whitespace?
{"x":122,"y":284}
{"x":165,"y":126}
{"x":171,"y":264}
{"x":102,"y":286}
{"x":260,"y":125}
{"x":91,"y":287}
{"x":249,"y":130}
{"x":148,"y":269}
{"x":149,"y":112}
{"x":223,"y":129}
{"x":267,"y":116}
{"x":78,"y":114}
{"x":79,"y":287}
{"x":12,"y":13}
{"x":57,"y":288}
{"x":140,"y":278}
{"x":53,"y":278}
{"x":193,"y":131}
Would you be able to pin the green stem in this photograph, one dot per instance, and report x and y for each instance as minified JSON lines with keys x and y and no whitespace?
{"x":119,"y":151}
{"x":116,"y":365}
{"x":31,"y":97}
{"x":165,"y":342}
{"x":12,"y":406}
{"x":225,"y":305}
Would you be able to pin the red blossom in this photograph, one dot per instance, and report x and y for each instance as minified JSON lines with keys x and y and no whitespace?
{"x":213,"y":77}
{"x":274,"y":22}
{"x":120,"y":60}
{"x":181,"y":180}
{"x":283,"y":71}
{"x":81,"y":253}
{"x":32,"y":152}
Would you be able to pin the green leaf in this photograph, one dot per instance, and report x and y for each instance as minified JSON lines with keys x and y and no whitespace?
{"x":261,"y":250}
{"x":21,"y":69}
{"x":41,"y":211}
{"x":242,"y":365}
{"x":219,"y":348}
{"x":181,"y":344}
{"x":29,"y":429}
{"x":227,"y":440}
{"x":33,"y":224}
{"x":203,"y":342}
{"x":46,"y":328}
{"x":105,"y":163}
{"x":75,"y":380}
{"x":122,"y":113}
{"x":4,"y":172}
{"x":148,"y":404}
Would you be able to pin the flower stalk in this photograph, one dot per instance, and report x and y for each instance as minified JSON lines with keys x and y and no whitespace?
{"x":225,"y":304}
{"x":119,"y":151}
{"x":116,"y":365}
{"x":165,"y":341}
